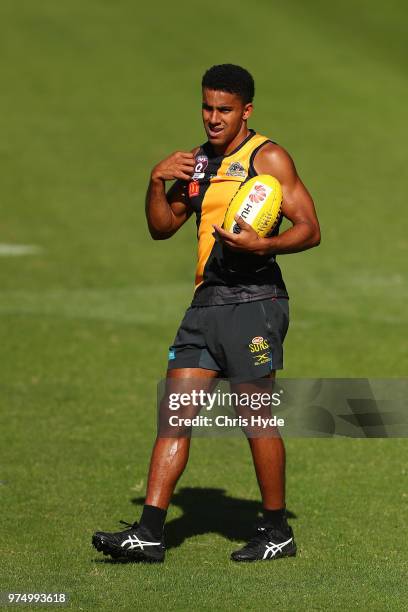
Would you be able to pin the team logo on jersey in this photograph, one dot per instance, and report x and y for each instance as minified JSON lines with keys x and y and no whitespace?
{"x":201,"y":165}
{"x":193,"y":189}
{"x":236,"y":169}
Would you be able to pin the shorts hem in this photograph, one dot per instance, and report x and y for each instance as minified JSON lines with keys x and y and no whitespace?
{"x":247,"y":378}
{"x":187,"y":365}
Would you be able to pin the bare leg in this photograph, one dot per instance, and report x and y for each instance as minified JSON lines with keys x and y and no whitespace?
{"x":170,"y":455}
{"x":268,"y":454}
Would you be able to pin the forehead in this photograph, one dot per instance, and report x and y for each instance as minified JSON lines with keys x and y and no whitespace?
{"x":216,"y":97}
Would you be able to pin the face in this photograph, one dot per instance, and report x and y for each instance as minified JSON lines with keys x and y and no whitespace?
{"x":224,"y":116}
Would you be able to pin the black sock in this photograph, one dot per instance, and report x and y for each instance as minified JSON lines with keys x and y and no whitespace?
{"x":153,"y":519}
{"x":275,"y":518}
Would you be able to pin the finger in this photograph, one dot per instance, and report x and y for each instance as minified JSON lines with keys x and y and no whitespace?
{"x":177,"y":172}
{"x":188,"y":156}
{"x":226,"y":242}
{"x":241,"y":223}
{"x":188,"y":162}
{"x":186,"y":168}
{"x":217,"y":236}
{"x":224,"y":234}
{"x":232,"y":245}
{"x":182,"y":175}
{"x":230,"y":240}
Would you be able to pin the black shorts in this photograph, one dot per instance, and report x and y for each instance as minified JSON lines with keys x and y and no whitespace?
{"x":242,"y":341}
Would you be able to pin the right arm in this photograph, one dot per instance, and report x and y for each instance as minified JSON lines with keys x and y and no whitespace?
{"x":166,"y":213}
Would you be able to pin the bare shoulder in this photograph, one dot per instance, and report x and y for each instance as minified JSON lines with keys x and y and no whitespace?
{"x":274,"y":159}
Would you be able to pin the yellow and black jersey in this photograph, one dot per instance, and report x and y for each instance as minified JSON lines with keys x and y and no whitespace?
{"x":224,"y":276}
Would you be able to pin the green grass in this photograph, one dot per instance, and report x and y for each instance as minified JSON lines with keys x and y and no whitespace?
{"x":93,"y":94}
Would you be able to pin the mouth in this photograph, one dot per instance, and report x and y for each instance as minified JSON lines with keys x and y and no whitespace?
{"x":215,"y":132}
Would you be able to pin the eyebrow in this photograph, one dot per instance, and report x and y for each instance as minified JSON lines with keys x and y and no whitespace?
{"x":224,"y":107}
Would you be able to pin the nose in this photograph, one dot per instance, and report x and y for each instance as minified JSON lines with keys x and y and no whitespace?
{"x":214,"y":117}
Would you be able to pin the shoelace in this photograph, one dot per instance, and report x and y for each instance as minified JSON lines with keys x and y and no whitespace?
{"x":259,"y":537}
{"x":262,"y":534}
{"x":129,"y":525}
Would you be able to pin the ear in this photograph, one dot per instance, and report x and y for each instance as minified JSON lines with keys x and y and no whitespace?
{"x":248,"y":108}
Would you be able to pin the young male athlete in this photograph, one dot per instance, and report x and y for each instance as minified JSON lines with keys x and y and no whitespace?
{"x":240,"y":296}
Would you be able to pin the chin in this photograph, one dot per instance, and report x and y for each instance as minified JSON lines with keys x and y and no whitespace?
{"x":220,"y":142}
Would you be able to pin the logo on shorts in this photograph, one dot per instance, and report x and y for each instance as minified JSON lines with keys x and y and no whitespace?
{"x":263,"y":358}
{"x":260,"y":349}
{"x":258,"y":344}
{"x":236,"y":169}
{"x":201,"y":165}
{"x":172,"y":353}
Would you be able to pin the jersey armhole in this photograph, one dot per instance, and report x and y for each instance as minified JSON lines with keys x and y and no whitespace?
{"x":251,"y":170}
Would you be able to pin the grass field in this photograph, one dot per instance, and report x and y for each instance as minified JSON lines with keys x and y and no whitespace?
{"x":93,"y":94}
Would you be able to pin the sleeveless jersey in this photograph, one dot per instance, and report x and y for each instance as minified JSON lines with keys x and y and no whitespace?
{"x":224,"y":276}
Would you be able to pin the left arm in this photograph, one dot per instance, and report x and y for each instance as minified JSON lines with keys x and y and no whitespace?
{"x":297,"y":206}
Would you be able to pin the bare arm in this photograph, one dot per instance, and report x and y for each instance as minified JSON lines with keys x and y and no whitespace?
{"x":166,"y":212}
{"x":297,"y":206}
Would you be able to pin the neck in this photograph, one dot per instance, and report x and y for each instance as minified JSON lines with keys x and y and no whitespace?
{"x":240,"y":137}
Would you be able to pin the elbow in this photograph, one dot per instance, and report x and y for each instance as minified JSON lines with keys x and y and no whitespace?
{"x":158,"y":234}
{"x":315,"y":238}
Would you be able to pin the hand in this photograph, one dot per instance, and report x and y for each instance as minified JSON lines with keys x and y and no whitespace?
{"x":247,"y":240}
{"x":179,"y":165}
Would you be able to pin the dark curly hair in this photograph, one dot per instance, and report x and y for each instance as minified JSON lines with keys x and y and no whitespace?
{"x":230,"y":78}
